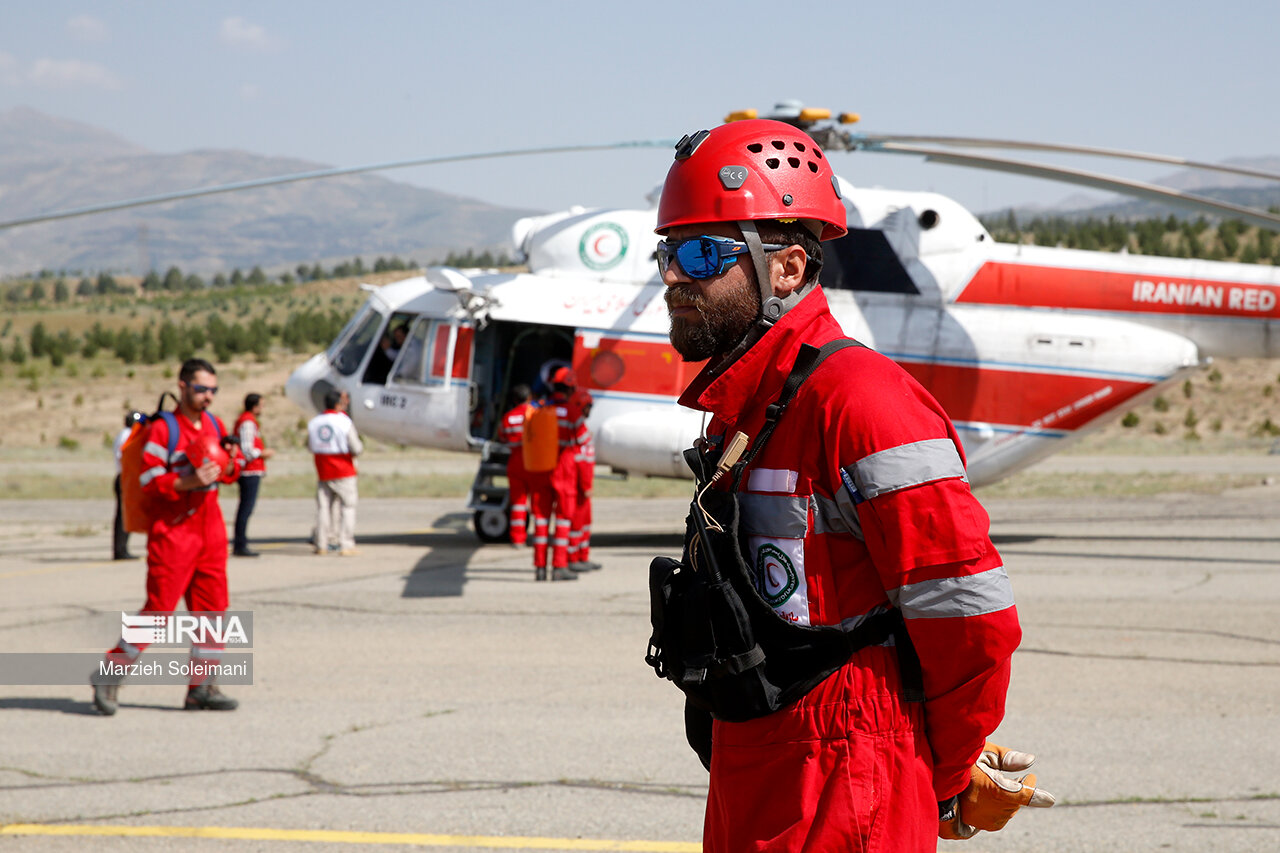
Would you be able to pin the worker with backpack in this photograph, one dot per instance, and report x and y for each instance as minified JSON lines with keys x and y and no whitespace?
{"x":170,"y":470}
{"x":554,"y":429}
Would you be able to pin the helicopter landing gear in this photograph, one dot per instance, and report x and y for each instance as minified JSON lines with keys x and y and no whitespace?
{"x":492,"y":525}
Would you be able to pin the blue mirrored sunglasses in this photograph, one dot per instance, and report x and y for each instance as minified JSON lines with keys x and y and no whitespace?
{"x":704,"y":256}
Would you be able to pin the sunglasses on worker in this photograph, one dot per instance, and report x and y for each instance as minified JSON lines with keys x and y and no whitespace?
{"x":203,"y":389}
{"x":705,"y":256}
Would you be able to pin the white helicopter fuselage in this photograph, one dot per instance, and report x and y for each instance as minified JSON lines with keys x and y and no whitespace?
{"x":1027,"y":348}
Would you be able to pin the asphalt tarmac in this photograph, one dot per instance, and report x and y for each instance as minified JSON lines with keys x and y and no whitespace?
{"x":428,"y":693}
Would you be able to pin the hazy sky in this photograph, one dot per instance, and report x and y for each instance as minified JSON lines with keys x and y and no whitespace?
{"x":343,"y":84}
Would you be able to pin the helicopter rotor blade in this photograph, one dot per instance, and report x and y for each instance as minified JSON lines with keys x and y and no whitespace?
{"x":1087,"y":179}
{"x":875,"y":140}
{"x":197,"y":192}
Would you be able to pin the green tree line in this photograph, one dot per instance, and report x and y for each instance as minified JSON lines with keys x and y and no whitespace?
{"x":168,"y":340}
{"x":1229,"y":240}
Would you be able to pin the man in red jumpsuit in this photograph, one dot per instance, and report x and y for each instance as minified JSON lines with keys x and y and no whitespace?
{"x":187,"y":538}
{"x":859,"y":502}
{"x":585,"y":460}
{"x":554,"y":492}
{"x":511,"y":431}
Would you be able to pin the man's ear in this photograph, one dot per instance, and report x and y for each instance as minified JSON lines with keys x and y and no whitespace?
{"x":786,"y":269}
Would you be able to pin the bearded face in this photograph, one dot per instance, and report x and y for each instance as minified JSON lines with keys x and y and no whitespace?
{"x":708,"y":321}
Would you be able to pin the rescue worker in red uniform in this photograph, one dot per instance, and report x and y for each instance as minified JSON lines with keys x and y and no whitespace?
{"x":554,"y":493}
{"x":511,"y":431}
{"x":858,"y":503}
{"x":580,"y":530}
{"x":187,"y":538}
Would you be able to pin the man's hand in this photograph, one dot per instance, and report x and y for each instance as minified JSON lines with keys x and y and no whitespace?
{"x":992,"y":798}
{"x":207,"y":474}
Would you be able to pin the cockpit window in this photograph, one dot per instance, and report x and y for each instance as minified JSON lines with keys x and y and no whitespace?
{"x":411,"y":364}
{"x":348,"y":359}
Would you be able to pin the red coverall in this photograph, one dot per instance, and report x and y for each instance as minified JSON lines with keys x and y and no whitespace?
{"x":187,"y":540}
{"x":556,"y":491}
{"x":511,"y":431}
{"x":580,"y":531}
{"x":858,"y":501}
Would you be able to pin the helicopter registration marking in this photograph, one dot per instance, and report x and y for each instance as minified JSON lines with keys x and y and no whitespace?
{"x":393,"y":401}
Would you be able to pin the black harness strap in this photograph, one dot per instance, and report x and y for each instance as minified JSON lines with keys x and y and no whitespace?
{"x":807,"y":361}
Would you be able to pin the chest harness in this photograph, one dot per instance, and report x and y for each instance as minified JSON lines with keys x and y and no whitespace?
{"x":714,"y":635}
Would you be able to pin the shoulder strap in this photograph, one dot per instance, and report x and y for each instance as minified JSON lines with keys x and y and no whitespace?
{"x":217,"y":427}
{"x":172,"y":423}
{"x":807,"y":361}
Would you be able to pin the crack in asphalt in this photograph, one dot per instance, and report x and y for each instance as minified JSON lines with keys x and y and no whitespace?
{"x":1147,"y":658}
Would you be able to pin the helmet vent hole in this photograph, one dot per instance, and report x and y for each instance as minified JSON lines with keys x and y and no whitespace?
{"x":793,"y":162}
{"x":799,"y":146}
{"x":779,"y":144}
{"x":755,"y":148}
{"x":772,"y":162}
{"x":813,"y":167}
{"x":817,"y":153}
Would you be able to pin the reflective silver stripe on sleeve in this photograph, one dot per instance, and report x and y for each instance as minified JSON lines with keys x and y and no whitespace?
{"x":150,"y":474}
{"x":907,"y":465}
{"x":159,"y":451}
{"x":973,"y":595}
{"x":775,"y":516}
{"x":836,"y":516}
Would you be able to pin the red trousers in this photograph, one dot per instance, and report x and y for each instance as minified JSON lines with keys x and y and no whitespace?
{"x":580,"y":530}
{"x":186,"y":561}
{"x":848,"y":768}
{"x":518,"y":489}
{"x":553,"y":494}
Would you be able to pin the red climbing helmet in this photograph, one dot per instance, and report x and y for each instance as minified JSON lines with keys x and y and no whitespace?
{"x":755,"y":169}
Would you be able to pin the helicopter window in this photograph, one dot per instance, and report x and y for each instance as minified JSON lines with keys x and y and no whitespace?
{"x":348,"y":358}
{"x":389,"y":347}
{"x":864,"y":260}
{"x":411,"y":365}
{"x":461,"y":352}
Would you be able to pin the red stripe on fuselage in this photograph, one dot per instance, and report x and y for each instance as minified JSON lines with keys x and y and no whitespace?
{"x":998,"y":283}
{"x":1015,"y":398}
{"x":970,"y":393}
{"x":632,"y":367}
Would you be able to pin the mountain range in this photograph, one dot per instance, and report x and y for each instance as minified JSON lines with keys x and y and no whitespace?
{"x":49,"y":163}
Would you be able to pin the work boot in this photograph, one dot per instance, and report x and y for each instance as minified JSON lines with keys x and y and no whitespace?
{"x":207,"y":697}
{"x":539,"y":573}
{"x":245,"y":552}
{"x":563,"y":575}
{"x":583,"y":566}
{"x":105,"y":698}
{"x":124,"y":555}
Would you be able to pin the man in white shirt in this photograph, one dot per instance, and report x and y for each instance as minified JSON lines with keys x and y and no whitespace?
{"x":333,"y":438}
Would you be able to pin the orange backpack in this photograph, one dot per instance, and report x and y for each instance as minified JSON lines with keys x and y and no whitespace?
{"x":133,"y":501}
{"x":540,"y":445}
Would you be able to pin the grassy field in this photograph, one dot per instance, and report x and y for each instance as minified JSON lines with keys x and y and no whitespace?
{"x":62,"y":418}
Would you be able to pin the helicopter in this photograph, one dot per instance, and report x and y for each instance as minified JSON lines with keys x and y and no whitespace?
{"x":1027,"y":348}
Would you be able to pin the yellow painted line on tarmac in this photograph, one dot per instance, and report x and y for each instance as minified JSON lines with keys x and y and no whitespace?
{"x":330,"y":836}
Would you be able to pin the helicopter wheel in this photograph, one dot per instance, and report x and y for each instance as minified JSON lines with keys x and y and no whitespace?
{"x":492,"y":525}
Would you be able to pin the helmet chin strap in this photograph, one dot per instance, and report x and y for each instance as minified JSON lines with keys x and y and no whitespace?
{"x":771,"y":307}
